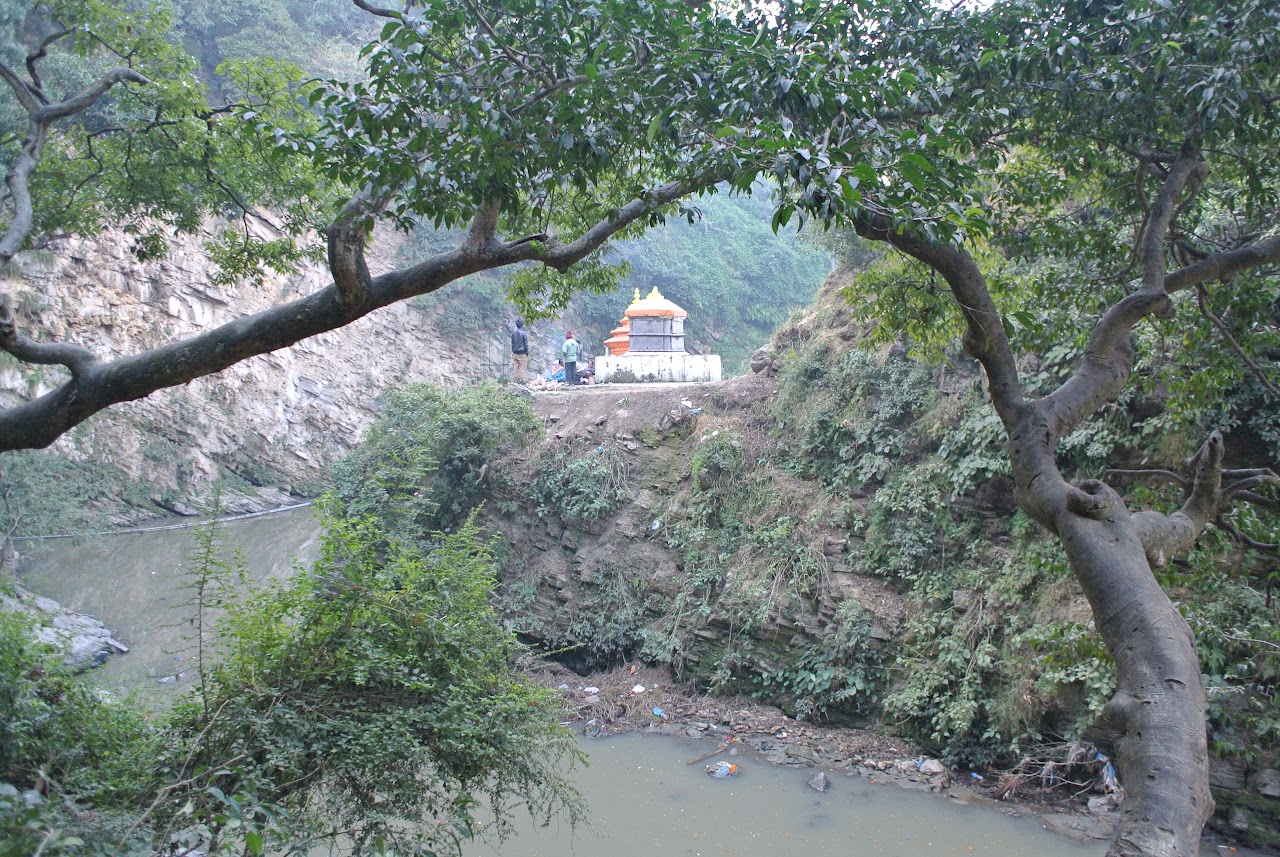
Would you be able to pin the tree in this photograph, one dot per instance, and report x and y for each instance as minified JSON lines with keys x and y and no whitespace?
{"x":1134,"y":142}
{"x":558,"y":124}
{"x":1130,"y":151}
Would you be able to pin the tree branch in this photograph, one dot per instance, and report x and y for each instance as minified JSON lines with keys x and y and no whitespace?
{"x":480,"y":236}
{"x":23,"y":91}
{"x":1202,"y":299}
{"x":1107,"y":363}
{"x":39,"y":54}
{"x":1185,"y":176}
{"x":562,"y":256}
{"x":345,"y":239}
{"x":1108,"y":359}
{"x":1154,"y":473}
{"x":40,"y":117}
{"x":74,"y":357}
{"x":1247,"y":540}
{"x":985,"y":339}
{"x":1165,"y":536}
{"x":375,"y":10}
{"x":1224,"y":265}
{"x":1244,"y":487}
{"x":85,"y":99}
{"x":100,"y":385}
{"x":1269,"y":503}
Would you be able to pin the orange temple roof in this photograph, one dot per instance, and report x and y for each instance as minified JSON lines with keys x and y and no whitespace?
{"x":653,"y":304}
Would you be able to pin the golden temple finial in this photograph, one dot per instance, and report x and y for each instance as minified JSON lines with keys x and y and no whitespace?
{"x":635,"y":299}
{"x":653,"y":294}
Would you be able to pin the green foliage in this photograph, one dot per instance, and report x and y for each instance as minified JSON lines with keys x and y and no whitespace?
{"x":841,"y":673}
{"x":28,"y":825}
{"x":63,"y":746}
{"x":1237,"y":632}
{"x":720,"y":461}
{"x":912,"y":532}
{"x":610,"y":622}
{"x":214,"y":574}
{"x":577,"y":487}
{"x":403,"y":714}
{"x":153,"y":159}
{"x":43,"y":493}
{"x":973,"y":449}
{"x":749,"y":557}
{"x":323,"y":38}
{"x":849,"y":412}
{"x":427,"y":461}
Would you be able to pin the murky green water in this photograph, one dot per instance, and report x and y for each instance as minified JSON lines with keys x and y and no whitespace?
{"x":644,"y":799}
{"x":134,"y":584}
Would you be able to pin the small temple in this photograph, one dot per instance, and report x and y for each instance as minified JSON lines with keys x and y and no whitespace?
{"x":648,"y":345}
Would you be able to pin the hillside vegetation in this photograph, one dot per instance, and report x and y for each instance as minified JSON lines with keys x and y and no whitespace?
{"x":837,"y":535}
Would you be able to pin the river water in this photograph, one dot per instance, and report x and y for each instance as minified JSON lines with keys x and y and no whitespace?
{"x":134,"y":583}
{"x":644,"y":799}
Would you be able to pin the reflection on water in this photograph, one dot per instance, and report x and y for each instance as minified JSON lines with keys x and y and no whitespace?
{"x":133,"y":583}
{"x":645,"y":801}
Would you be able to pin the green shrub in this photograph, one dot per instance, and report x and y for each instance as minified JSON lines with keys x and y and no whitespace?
{"x":848,"y":413}
{"x":63,"y":748}
{"x":582,"y":486}
{"x":840,"y":674}
{"x":372,"y":697}
{"x":432,"y":456}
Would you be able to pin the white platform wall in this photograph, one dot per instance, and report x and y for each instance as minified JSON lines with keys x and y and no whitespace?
{"x":642,"y":366}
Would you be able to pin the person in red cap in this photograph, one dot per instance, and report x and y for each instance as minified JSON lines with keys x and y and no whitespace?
{"x":570,"y":352}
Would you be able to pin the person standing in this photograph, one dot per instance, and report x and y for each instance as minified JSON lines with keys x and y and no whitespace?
{"x":519,"y":351}
{"x":570,"y":352}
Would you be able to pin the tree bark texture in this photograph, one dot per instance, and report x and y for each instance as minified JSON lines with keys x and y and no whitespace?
{"x":1157,"y":714}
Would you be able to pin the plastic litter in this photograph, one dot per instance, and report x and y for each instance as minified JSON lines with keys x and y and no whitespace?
{"x":638,"y":689}
{"x":720,"y":770}
{"x":977,"y":777}
{"x":591,"y":690}
{"x":659,"y":713}
{"x":656,"y":525}
{"x":1110,"y":785}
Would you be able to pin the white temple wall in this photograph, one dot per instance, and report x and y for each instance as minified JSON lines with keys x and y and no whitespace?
{"x":657,"y":366}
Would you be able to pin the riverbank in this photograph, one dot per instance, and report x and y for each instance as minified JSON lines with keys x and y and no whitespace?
{"x":608,"y":703}
{"x":628,"y":699}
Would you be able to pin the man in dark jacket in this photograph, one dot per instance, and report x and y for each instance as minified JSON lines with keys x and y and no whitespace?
{"x":519,"y":350}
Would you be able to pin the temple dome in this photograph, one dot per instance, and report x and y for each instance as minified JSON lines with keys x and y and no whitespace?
{"x":653,"y":305}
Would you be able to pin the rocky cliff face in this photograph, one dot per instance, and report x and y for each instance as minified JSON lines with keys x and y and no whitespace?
{"x":279,"y":418}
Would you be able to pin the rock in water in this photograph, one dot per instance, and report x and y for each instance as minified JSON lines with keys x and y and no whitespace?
{"x":819,"y":782}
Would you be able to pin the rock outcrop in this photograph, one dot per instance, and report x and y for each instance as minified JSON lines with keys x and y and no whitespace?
{"x":280,"y":418}
{"x":81,"y":641}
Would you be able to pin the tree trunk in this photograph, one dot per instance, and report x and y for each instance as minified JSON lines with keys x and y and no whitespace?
{"x":1158,"y":712}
